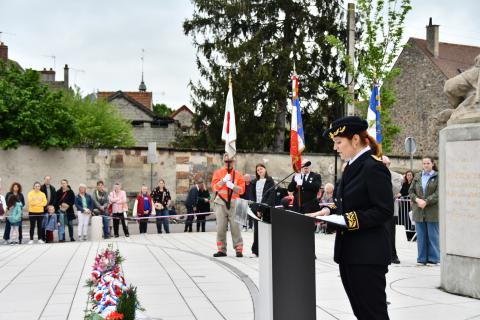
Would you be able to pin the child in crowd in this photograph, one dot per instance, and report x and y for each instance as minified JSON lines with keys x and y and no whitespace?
{"x":61,"y":216}
{"x":50,"y":223}
{"x":15,"y":209}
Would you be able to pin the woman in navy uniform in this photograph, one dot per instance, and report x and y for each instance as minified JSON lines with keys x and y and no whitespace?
{"x":364,"y":197}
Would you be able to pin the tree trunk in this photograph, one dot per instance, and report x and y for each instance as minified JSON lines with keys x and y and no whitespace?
{"x":280,"y":126}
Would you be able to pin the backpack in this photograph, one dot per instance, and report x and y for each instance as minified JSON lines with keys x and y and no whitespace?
{"x":16,"y":215}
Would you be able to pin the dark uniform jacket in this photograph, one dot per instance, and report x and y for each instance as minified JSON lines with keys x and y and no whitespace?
{"x":308,"y":193}
{"x":364,"y":196}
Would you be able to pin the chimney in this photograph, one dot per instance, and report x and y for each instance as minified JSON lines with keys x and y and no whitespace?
{"x":3,"y":52}
{"x":47,"y":75}
{"x":65,"y":77}
{"x":432,"y":39}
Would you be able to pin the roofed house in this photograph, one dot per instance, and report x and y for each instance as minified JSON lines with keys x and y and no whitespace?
{"x":184,"y":117}
{"x":425,"y":66}
{"x":137,"y":107}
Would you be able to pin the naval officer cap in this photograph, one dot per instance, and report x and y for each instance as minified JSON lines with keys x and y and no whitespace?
{"x":346,"y":126}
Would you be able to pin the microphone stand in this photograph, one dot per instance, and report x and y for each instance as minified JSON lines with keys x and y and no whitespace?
{"x":277,"y":184}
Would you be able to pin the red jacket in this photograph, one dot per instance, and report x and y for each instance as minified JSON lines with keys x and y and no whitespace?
{"x":140,"y":208}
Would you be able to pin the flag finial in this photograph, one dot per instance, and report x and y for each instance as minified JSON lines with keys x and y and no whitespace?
{"x":229,"y":79}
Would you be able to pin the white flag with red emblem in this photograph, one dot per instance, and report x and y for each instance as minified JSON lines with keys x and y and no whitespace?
{"x":229,"y":132}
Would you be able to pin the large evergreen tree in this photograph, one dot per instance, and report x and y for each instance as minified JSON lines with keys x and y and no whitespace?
{"x":259,"y":42}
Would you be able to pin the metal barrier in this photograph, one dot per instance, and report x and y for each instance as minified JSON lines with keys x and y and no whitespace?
{"x":403,"y":205}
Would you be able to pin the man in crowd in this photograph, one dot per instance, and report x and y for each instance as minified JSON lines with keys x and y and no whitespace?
{"x":49,"y":191}
{"x":100,"y":207}
{"x":191,"y":204}
{"x":305,"y":186}
{"x":397,"y":180}
{"x":228,"y":184}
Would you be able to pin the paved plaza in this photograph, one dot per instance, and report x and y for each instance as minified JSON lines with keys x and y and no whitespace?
{"x":178,"y":279}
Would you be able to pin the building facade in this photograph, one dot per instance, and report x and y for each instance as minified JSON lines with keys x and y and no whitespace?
{"x":425,"y":66}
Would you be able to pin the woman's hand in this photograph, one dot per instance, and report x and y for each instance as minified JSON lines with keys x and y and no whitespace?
{"x":323,"y":212}
{"x":421,"y":203}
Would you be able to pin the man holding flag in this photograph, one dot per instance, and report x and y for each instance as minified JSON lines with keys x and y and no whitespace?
{"x":228,"y":184}
{"x":305,"y":184}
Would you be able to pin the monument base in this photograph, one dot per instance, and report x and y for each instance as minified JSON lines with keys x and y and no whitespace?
{"x":459,"y":209}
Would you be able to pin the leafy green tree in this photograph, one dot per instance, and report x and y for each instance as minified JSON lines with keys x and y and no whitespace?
{"x":100,"y":124}
{"x":382,"y":24}
{"x":32,"y":114}
{"x":259,"y":43}
{"x":162,"y":110}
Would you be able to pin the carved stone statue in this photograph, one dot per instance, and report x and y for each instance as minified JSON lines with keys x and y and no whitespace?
{"x":463,"y":93}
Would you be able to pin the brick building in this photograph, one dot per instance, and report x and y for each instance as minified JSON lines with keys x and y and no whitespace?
{"x":425,"y":66}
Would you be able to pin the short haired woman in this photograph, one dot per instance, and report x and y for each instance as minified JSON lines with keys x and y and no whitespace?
{"x":143,"y":208}
{"x":84,"y":205}
{"x":118,"y":199}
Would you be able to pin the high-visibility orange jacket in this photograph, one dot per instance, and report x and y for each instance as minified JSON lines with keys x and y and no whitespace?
{"x":236,"y":178}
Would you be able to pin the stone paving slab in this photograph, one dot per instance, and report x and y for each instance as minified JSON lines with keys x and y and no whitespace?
{"x":177,"y":278}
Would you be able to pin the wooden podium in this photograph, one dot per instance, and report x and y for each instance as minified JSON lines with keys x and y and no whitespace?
{"x":287,"y":266}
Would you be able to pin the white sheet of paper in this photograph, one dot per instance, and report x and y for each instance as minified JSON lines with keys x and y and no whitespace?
{"x":334,"y":218}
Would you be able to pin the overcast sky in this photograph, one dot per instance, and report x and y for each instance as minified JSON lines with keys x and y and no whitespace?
{"x":102,"y":40}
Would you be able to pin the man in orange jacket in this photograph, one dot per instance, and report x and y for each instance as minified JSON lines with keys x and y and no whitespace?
{"x":228,"y":184}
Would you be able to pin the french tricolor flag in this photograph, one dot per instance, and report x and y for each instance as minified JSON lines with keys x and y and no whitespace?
{"x":297,"y":140}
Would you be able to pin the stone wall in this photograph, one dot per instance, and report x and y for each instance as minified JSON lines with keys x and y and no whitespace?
{"x":419,"y":92}
{"x":178,"y":168}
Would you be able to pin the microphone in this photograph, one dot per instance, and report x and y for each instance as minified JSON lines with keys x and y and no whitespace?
{"x":307,"y":164}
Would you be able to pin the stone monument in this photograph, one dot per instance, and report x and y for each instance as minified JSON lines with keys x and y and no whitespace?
{"x":459,"y":192}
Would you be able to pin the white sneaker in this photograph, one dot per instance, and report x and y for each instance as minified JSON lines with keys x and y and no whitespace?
{"x":30,"y":242}
{"x":41,"y":241}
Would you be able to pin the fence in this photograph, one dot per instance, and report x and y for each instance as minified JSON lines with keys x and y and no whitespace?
{"x":403,"y":206}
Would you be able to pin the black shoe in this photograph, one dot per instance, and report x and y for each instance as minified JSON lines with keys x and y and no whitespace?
{"x":127,"y":235}
{"x":116,"y":236}
{"x":72,"y":240}
{"x":61,"y":240}
{"x":395,"y":260}
{"x":219,"y":254}
{"x":239,"y":254}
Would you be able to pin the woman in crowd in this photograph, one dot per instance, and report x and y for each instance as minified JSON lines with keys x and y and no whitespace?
{"x":407,"y":181}
{"x":327,"y":196}
{"x":14,"y":217}
{"x":162,"y":200}
{"x":36,"y":203}
{"x":118,"y":199}
{"x":424,"y":195}
{"x":65,"y":200}
{"x":365,"y":200}
{"x":143,"y":208}
{"x":84,"y":205}
{"x":203,"y":205}
{"x":16,"y":191}
{"x":261,"y":192}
